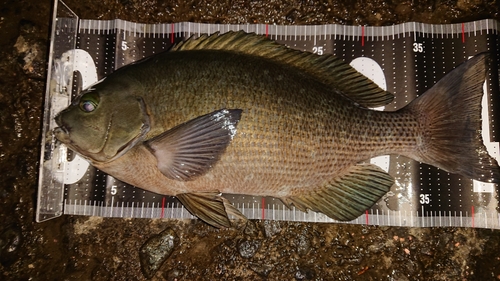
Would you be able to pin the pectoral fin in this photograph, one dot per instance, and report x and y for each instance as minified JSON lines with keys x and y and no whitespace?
{"x":349,"y":195}
{"x":210,"y":207}
{"x":192,"y":148}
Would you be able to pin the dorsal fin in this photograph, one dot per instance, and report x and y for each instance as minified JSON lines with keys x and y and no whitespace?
{"x":330,"y":69}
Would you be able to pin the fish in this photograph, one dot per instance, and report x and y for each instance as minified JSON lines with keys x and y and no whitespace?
{"x":239,"y":113}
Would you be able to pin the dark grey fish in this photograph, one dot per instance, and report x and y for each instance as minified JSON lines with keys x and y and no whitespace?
{"x":238,"y":113}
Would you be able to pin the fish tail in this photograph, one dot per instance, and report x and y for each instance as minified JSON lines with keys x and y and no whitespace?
{"x":449,"y":118}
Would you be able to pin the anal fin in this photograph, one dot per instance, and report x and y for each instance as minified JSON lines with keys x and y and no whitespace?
{"x":210,"y":207}
{"x":346,"y":197}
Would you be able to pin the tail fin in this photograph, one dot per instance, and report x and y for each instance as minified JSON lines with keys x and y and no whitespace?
{"x":450,"y":118}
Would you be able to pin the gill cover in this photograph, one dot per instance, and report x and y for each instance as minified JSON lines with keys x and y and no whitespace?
{"x":104,"y":121}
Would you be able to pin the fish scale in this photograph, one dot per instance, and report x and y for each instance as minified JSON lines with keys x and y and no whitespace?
{"x":376,"y":215}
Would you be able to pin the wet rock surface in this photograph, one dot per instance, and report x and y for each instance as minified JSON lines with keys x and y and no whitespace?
{"x":248,"y":248}
{"x":83,"y":248}
{"x":156,"y":251}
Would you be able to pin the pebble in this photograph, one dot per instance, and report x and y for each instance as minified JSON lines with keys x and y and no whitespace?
{"x":262,"y":270}
{"x":248,"y":248}
{"x":271,"y":228}
{"x":303,"y":245}
{"x":304,"y":273}
{"x":251,"y":229}
{"x":376,"y":248}
{"x":156,"y":251}
{"x":173,"y":274}
{"x":427,"y":251}
{"x":10,"y":242}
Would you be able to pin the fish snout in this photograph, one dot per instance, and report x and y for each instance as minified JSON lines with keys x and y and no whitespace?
{"x":63,"y":128}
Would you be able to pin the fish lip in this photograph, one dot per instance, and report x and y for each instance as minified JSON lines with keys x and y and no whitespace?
{"x":58,"y":131}
{"x":62,"y":125}
{"x":61,"y":129}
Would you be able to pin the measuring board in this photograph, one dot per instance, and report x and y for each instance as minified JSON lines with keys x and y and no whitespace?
{"x":406,"y":59}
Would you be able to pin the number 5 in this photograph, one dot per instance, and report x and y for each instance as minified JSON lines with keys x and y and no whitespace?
{"x":113,"y":190}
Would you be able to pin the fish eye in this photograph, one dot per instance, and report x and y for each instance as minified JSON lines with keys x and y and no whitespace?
{"x":89,"y":101}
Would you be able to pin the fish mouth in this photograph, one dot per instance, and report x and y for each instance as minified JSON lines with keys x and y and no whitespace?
{"x":62,"y":133}
{"x":62,"y":126}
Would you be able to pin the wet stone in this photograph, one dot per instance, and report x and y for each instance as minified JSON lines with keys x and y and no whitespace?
{"x":376,"y":248}
{"x":174,"y":274}
{"x":10,"y":242}
{"x":30,"y":57}
{"x":398,"y":275}
{"x":427,"y":251}
{"x":304,"y":273}
{"x":271,"y":228}
{"x":365,"y":230}
{"x":251,"y":229}
{"x":156,"y":251}
{"x":262,"y":270}
{"x":248,"y":248}
{"x":304,"y":244}
{"x":221,"y":269}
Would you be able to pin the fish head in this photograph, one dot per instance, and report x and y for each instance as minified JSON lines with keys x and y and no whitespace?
{"x":104,"y":122}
